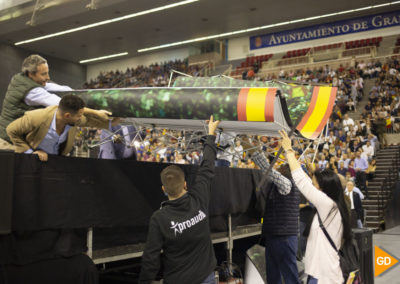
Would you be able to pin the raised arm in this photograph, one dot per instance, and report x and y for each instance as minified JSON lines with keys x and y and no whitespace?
{"x":41,"y":97}
{"x":283,"y":184}
{"x":319,"y":199}
{"x":205,"y":173}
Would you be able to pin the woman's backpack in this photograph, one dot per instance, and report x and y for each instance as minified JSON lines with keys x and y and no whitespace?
{"x":348,"y":256}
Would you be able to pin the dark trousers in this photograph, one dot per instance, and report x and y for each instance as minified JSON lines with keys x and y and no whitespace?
{"x":210,"y":279}
{"x":312,"y":280}
{"x":353,"y":218}
{"x":302,"y":241}
{"x":280,"y":259}
{"x":361,"y":181}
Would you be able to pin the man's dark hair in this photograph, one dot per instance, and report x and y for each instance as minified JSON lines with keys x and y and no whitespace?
{"x":173,"y":179}
{"x":71,"y":103}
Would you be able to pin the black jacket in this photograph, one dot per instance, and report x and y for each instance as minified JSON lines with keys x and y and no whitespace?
{"x":181,"y":229}
{"x":358,"y":205}
{"x":281,"y":215}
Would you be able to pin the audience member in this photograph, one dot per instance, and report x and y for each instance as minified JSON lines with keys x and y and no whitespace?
{"x":181,"y":227}
{"x":52,"y":130}
{"x":325,"y":192}
{"x":357,"y":213}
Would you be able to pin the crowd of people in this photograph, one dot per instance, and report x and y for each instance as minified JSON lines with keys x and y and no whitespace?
{"x":345,"y":136}
{"x":154,"y":75}
{"x":346,"y":148}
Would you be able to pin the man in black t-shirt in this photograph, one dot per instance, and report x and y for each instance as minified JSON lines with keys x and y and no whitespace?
{"x":181,"y":226}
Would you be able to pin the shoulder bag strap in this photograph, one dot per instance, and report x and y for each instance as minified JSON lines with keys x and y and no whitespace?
{"x":326,"y":233}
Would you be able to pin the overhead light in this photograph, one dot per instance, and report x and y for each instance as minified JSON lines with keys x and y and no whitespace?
{"x":103,"y":57}
{"x":122,"y":18}
{"x":263,"y":27}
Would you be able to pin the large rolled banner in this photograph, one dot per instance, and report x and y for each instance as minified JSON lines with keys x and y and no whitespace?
{"x":260,"y":108}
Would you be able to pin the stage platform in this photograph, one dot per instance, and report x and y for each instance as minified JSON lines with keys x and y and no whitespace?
{"x":389,"y":240}
{"x":136,"y":250}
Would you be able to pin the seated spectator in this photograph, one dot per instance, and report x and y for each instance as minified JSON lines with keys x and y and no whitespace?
{"x":322,"y":162}
{"x":332,"y":150}
{"x":346,"y":160}
{"x":368,"y":150}
{"x":351,"y":106}
{"x":351,"y":169}
{"x":342,"y":170}
{"x":371,"y":170}
{"x":342,"y":135}
{"x":339,"y":154}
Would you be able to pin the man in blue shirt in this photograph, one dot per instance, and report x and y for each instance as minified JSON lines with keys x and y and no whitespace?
{"x":361,"y":165}
{"x":52,"y":130}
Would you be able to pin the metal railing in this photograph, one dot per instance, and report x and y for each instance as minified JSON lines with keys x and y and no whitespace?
{"x":385,"y":192}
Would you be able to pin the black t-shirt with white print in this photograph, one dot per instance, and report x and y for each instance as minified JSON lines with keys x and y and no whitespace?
{"x":181,"y":229}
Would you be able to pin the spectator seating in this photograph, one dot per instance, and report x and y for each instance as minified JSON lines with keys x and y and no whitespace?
{"x":249,"y":62}
{"x":363,"y":43}
{"x":326,"y":47}
{"x":296,"y":53}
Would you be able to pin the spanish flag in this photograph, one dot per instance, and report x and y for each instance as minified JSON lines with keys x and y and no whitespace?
{"x":256,"y":104}
{"x":318,"y":113}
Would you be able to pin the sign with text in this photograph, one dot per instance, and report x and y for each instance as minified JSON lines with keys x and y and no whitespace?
{"x":383,"y":261}
{"x":356,"y":25}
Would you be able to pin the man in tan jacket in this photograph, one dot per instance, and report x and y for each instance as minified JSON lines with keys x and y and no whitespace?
{"x":52,"y":130}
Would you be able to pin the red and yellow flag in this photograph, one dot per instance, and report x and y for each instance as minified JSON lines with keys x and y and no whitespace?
{"x":256,"y":104}
{"x":318,"y":113}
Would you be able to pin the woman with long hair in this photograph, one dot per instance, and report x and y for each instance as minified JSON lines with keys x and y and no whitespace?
{"x":339,"y":154}
{"x":326,"y":193}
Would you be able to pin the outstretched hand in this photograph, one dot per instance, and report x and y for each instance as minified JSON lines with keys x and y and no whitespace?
{"x":103,"y":114}
{"x":100,"y":114}
{"x":286,"y":143}
{"x":212,"y":125}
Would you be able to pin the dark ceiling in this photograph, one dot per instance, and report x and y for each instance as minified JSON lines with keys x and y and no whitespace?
{"x":202,"y":18}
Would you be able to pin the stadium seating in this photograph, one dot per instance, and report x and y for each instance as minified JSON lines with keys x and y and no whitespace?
{"x":249,"y":62}
{"x":326,"y":47}
{"x":296,"y":53}
{"x":363,"y":43}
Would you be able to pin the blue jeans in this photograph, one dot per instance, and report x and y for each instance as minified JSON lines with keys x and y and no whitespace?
{"x":302,"y":239}
{"x":280,"y":259}
{"x":312,"y":280}
{"x":222,"y":163}
{"x":210,"y":279}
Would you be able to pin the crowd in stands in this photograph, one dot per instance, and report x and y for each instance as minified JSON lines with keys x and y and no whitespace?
{"x":348,"y":148}
{"x":155,"y":75}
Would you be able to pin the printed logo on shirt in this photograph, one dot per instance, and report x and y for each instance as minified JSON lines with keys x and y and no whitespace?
{"x":180,"y":227}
